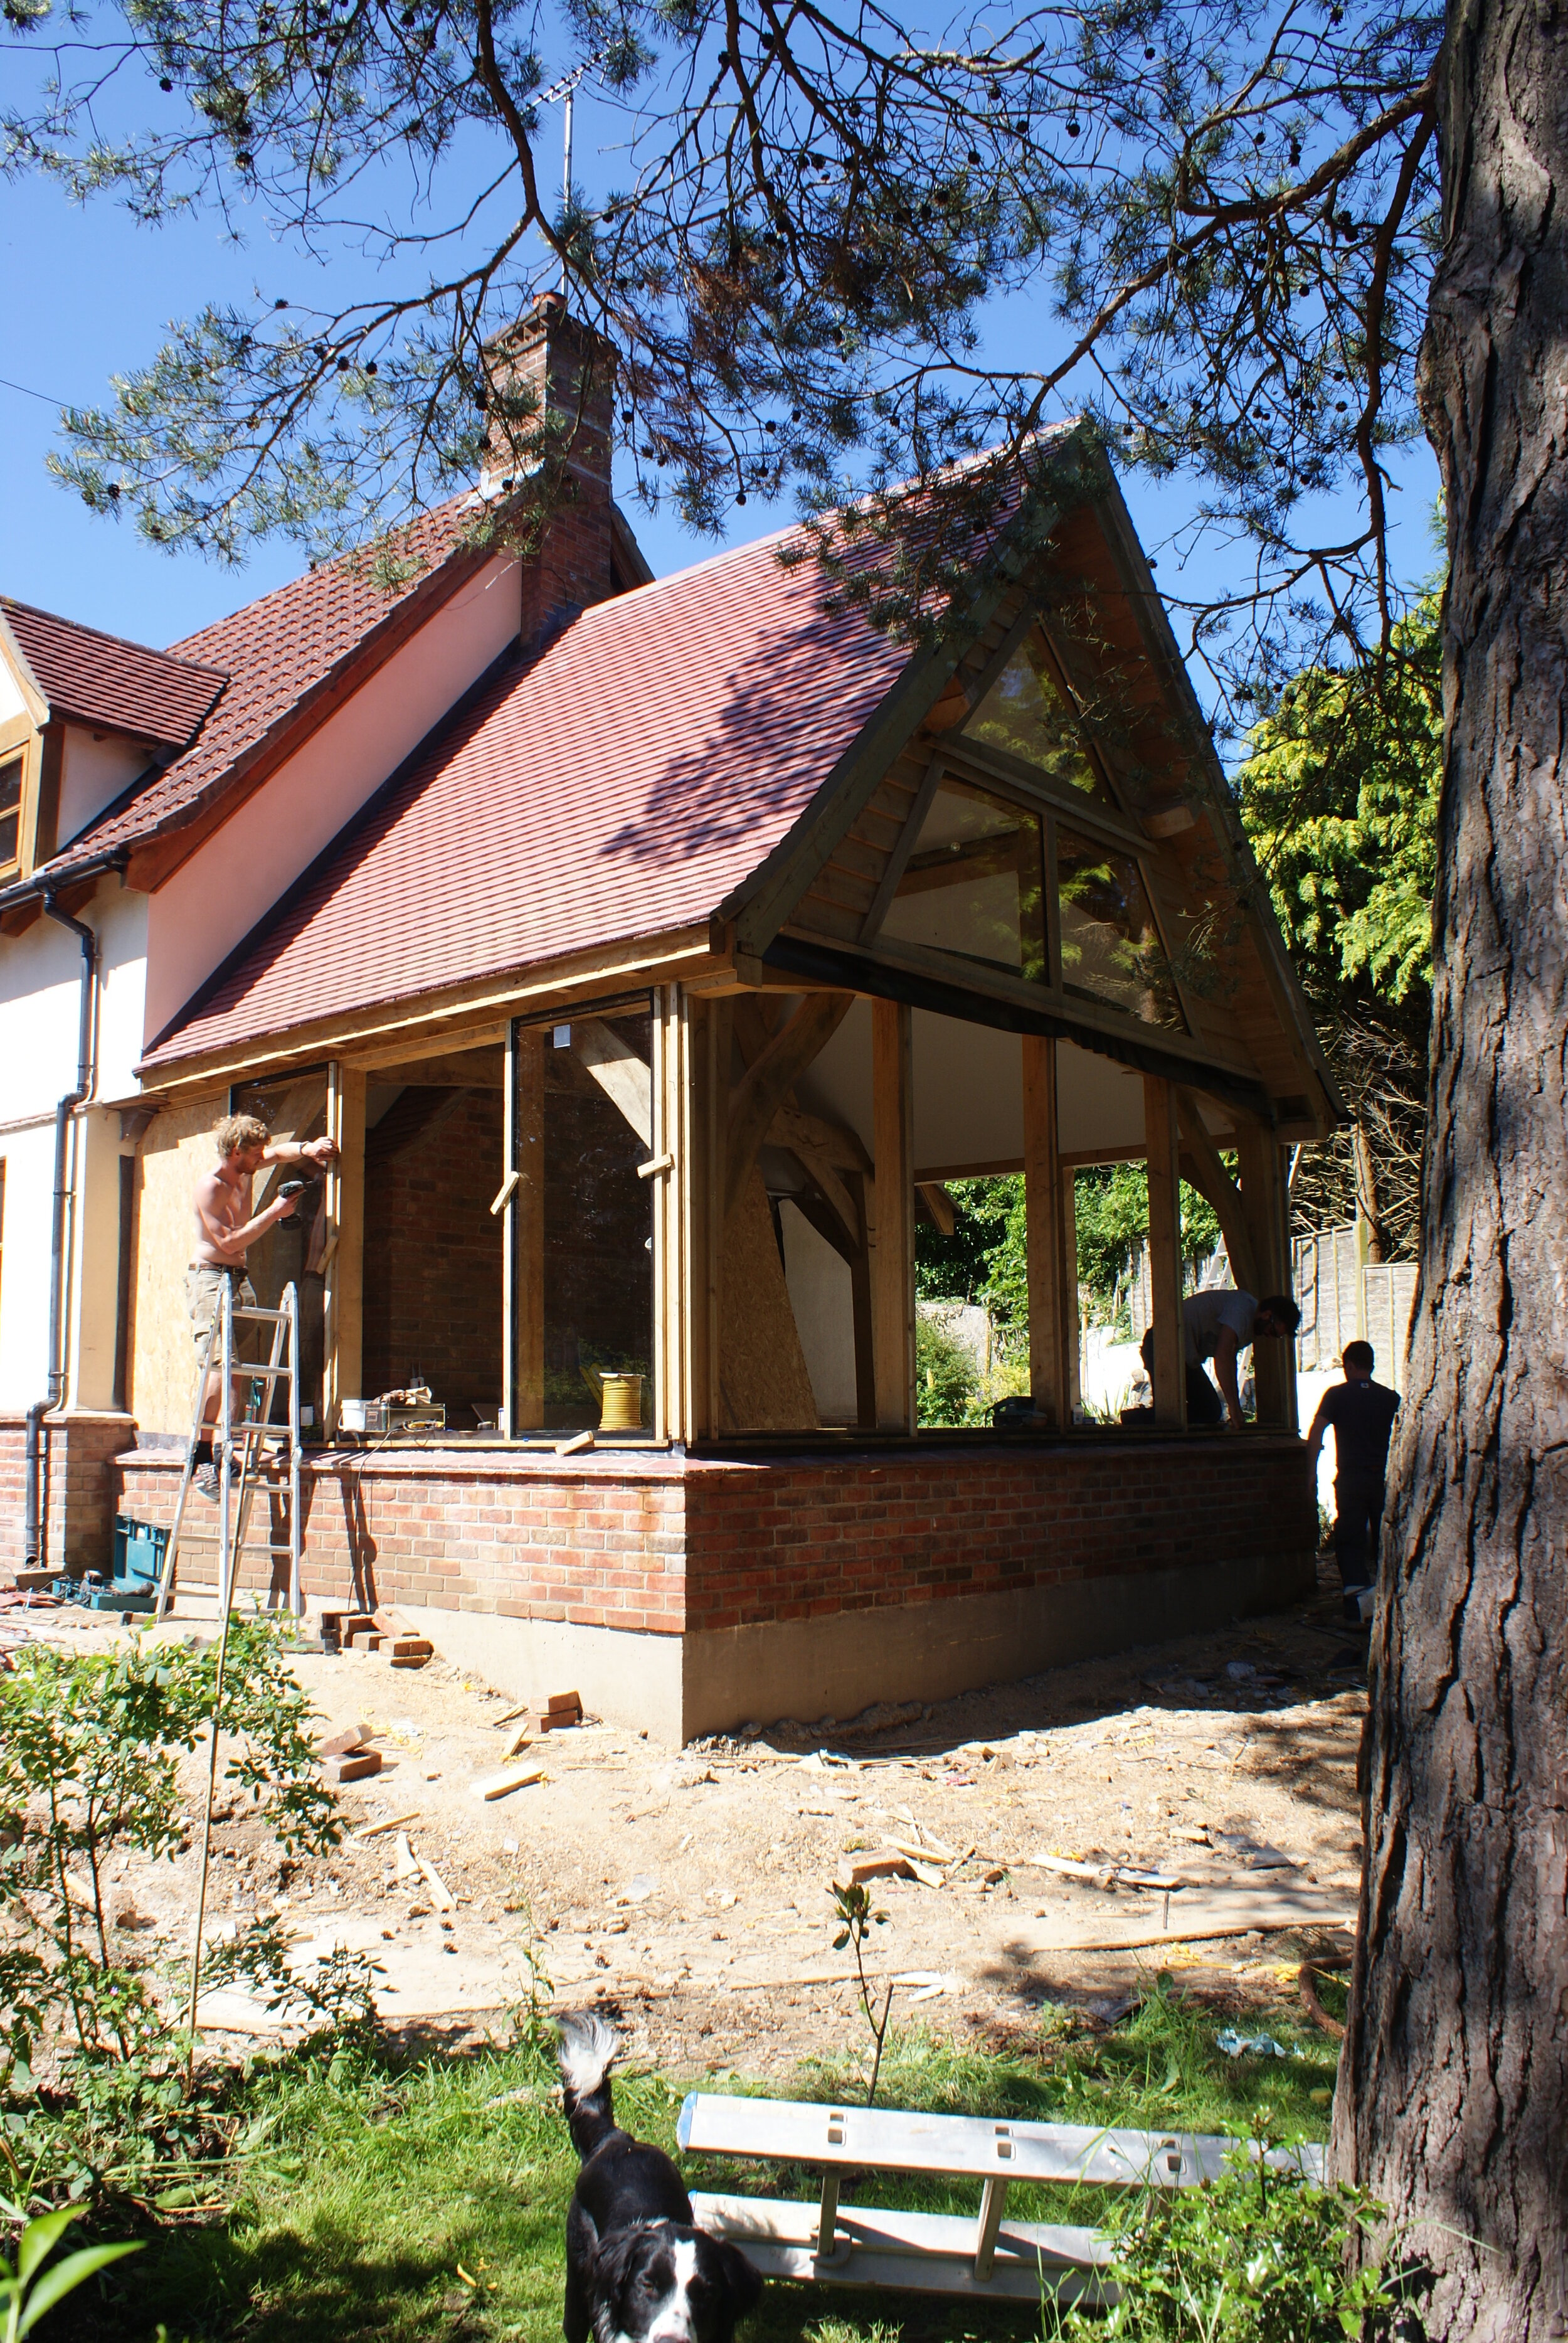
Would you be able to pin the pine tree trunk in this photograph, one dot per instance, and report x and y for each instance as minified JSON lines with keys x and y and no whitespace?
{"x":1452,"y":2104}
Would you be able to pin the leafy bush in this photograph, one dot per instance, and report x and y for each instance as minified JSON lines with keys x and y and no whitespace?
{"x":89,"y":1771}
{"x":947,"y":1380}
{"x":1256,"y":2257}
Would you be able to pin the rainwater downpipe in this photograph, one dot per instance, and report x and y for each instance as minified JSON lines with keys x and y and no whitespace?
{"x":33,"y":1540}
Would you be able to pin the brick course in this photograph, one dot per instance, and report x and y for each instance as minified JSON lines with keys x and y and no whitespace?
{"x":672,"y":1545}
{"x":77,"y":1496}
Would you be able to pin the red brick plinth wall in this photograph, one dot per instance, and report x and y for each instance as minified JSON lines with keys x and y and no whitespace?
{"x":666,"y":1546}
{"x":77,"y":1490}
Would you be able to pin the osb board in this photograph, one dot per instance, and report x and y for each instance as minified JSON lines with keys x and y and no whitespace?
{"x":764,"y":1384}
{"x":177,"y":1151}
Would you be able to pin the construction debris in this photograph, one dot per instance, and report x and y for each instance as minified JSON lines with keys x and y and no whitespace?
{"x":339,"y":1744}
{"x":500,"y":1785}
{"x":441,"y":1895}
{"x":352,"y":1767}
{"x":392,"y":1823}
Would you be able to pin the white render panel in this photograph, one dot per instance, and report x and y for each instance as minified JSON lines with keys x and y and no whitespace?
{"x":29,"y":1160}
{"x":40,"y":1000}
{"x":97,"y":767}
{"x":215,"y":899}
{"x":969,"y":1094}
{"x":10,"y":701}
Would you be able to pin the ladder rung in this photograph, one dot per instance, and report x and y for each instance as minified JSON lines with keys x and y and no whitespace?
{"x":205,"y":1537}
{"x":272,"y":1317}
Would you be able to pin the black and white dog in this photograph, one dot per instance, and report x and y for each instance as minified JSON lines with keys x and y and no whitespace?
{"x":638,"y":2270}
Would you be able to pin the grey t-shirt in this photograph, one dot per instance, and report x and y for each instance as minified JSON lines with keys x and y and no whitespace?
{"x":1203,"y":1315}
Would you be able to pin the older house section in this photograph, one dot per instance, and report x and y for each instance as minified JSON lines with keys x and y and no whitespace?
{"x":652,"y":995}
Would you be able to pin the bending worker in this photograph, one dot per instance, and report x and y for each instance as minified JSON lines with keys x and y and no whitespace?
{"x":1361,"y":1412}
{"x":226,"y":1228}
{"x":1219,"y":1324}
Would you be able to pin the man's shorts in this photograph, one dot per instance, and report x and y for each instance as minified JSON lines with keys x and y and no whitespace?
{"x":203,"y":1283}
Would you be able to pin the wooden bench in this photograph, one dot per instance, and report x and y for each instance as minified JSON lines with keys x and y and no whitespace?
{"x":939,"y":2253}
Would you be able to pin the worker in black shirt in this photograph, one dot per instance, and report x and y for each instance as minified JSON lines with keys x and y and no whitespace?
{"x":1361,"y":1412}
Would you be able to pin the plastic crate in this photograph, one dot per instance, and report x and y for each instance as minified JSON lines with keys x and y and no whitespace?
{"x":139,"y":1549}
{"x":121,"y":1596}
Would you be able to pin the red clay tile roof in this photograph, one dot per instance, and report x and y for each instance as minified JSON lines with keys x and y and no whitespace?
{"x":618,"y":785}
{"x":273,"y":652}
{"x":119,"y":686}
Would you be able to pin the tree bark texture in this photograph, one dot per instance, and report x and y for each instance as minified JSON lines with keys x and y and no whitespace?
{"x":1452,"y":2104}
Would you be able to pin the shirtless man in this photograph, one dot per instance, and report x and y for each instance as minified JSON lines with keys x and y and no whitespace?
{"x":226,"y":1228}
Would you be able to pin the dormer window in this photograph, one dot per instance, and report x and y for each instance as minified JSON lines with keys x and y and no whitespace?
{"x":10,"y":812}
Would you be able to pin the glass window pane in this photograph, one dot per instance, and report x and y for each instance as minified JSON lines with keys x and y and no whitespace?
{"x":1110,"y":946}
{"x":10,"y":811}
{"x":598,"y":1222}
{"x":1024,"y":715}
{"x":972,"y":885}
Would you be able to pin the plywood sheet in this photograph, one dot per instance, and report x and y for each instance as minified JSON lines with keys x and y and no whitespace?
{"x":177,"y":1149}
{"x":763,"y":1381}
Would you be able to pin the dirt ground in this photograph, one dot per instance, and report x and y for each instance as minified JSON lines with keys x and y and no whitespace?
{"x":690,"y":1892}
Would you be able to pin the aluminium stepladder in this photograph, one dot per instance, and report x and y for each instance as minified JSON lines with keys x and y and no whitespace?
{"x":253,"y":1439}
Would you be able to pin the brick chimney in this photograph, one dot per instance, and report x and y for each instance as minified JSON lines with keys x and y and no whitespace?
{"x":552,"y":382}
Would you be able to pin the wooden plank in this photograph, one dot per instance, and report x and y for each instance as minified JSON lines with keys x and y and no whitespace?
{"x":1042,"y":1220}
{"x":854,"y":863}
{"x":893,"y":1246}
{"x":1161,"y":1149}
{"x":830,"y":919}
{"x":927,"y":2253}
{"x":343,"y":1299}
{"x":525,"y":1222}
{"x":891,"y":2139}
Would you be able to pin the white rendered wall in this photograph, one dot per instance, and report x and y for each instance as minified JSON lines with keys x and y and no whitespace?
{"x":40,"y":972}
{"x":822,"y":1297}
{"x":97,"y":767}
{"x":216,"y":898}
{"x":969,"y":1094}
{"x":29,"y":1159}
{"x":10,"y":701}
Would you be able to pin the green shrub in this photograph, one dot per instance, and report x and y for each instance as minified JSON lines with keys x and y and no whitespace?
{"x":947,"y":1379}
{"x":1259,"y":2256}
{"x":89,"y":1771}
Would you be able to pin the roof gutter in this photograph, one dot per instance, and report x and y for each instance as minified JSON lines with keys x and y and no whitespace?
{"x":33,"y":1526}
{"x":48,"y":882}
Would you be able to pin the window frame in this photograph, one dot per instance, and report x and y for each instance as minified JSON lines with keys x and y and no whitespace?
{"x":1047,"y":805}
{"x":18,"y":739}
{"x":644,"y":1000}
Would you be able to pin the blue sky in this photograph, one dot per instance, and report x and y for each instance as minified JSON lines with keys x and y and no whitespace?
{"x":97,"y":292}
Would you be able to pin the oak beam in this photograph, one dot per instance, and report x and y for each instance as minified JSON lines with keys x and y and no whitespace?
{"x":1042,"y":1226}
{"x":525,"y":1252}
{"x":1162,"y":1145}
{"x":767,"y":1081}
{"x":343,"y":1254}
{"x":892,"y":1232}
{"x":1201,"y":1166}
{"x":1265,"y":1202}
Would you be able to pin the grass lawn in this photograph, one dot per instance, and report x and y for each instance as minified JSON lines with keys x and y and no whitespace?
{"x":404,"y":2202}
